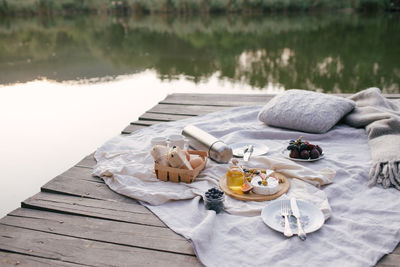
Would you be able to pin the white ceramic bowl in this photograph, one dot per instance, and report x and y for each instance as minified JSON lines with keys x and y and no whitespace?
{"x":270,"y":189}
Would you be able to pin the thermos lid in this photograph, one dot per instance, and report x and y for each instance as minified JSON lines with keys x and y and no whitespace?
{"x":220,"y":152}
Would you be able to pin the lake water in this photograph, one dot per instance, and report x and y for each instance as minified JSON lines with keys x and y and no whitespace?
{"x":69,"y":84}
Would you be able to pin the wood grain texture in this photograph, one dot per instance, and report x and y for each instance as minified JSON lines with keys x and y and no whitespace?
{"x":389,"y":260}
{"x":234,"y":100}
{"x":13,"y":259}
{"x":397,"y":250}
{"x":129,"y":234}
{"x":131,"y":212}
{"x":185,"y":110}
{"x":145,"y":122}
{"x":82,"y":251}
{"x":79,"y":173}
{"x":87,"y":162}
{"x":83,"y":188}
{"x":132,"y":128}
{"x":160,"y":117}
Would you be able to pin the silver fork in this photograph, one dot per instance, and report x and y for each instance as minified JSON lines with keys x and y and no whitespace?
{"x":285,"y":213}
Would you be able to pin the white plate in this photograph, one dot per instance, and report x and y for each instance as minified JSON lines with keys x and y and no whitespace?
{"x":311,"y":217}
{"x":286,"y":153}
{"x":258,"y":149}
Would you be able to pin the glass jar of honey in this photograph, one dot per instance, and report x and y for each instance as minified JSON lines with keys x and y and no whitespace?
{"x":235,"y":176}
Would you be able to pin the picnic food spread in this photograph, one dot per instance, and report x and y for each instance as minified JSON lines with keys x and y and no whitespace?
{"x":172,"y":163}
{"x":126,"y":170}
{"x":246,"y":184}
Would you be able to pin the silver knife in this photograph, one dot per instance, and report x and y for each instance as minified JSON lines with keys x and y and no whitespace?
{"x":296,"y":213}
{"x":247,"y":153}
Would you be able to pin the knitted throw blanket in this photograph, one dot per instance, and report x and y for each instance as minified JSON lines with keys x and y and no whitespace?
{"x":381,"y":119}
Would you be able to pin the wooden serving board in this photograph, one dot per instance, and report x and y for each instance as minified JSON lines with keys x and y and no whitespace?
{"x":283,"y":188}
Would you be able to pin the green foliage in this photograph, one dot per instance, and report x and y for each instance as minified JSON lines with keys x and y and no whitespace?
{"x":371,"y":5}
{"x":3,"y":7}
{"x":185,"y":7}
{"x":45,"y":6}
{"x":336,"y":53}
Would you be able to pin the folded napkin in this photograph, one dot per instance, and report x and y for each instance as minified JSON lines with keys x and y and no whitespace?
{"x":381,"y":119}
{"x":293,"y":170}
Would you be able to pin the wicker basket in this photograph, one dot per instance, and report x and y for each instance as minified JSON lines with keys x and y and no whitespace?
{"x":180,"y":175}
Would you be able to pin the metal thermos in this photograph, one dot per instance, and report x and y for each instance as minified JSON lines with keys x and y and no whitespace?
{"x":200,"y":140}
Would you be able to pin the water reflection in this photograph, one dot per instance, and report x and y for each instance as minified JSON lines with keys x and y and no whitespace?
{"x":47,"y":127}
{"x":331,"y":53}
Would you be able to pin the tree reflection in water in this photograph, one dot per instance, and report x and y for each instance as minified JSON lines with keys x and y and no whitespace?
{"x":326,"y":52}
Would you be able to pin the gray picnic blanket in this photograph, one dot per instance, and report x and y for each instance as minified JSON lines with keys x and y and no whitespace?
{"x":381,"y":119}
{"x":363,"y":223}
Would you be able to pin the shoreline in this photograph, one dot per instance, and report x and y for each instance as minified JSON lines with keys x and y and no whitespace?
{"x":188,"y":8}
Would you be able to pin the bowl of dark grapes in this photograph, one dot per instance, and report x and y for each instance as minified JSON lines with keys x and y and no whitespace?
{"x":214,"y":200}
{"x":301,"y":150}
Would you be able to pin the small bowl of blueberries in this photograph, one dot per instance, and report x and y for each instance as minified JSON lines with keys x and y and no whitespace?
{"x":214,"y":200}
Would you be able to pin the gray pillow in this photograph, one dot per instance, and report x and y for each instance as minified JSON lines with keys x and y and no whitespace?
{"x":305,"y":111}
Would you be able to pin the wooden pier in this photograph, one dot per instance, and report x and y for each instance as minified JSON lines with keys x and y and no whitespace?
{"x":76,"y":220}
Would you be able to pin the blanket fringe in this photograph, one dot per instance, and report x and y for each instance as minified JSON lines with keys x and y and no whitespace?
{"x":385,"y":173}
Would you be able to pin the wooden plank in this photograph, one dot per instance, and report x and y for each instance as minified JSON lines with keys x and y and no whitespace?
{"x":185,"y":110}
{"x":87,"y":162}
{"x":389,"y":260}
{"x":397,"y":250}
{"x":384,"y":265}
{"x":163,"y":117}
{"x":131,"y":212}
{"x":231,"y":100}
{"x":81,"y":251}
{"x":79,"y":182}
{"x":79,"y":173}
{"x":83,"y":188}
{"x":13,"y":259}
{"x":121,"y":233}
{"x":217,"y":99}
{"x":145,"y":122}
{"x":132,"y":128}
{"x":226,"y":97}
{"x":392,"y":96}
